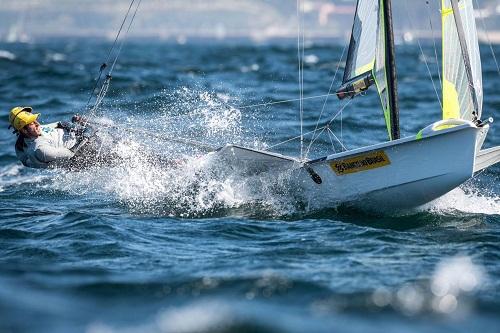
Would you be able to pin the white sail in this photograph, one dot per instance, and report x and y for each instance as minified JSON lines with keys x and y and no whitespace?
{"x":361,"y":54}
{"x":461,"y":95}
{"x":362,"y":46}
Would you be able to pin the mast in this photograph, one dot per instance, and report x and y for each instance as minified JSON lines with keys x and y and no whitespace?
{"x":390,"y":65}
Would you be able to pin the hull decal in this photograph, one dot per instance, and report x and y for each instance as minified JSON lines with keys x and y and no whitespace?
{"x":368,"y":161}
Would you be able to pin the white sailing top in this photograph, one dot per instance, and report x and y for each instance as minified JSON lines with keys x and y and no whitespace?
{"x":51,"y":147}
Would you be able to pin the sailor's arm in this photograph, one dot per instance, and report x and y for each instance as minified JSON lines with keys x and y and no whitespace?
{"x":47,"y":153}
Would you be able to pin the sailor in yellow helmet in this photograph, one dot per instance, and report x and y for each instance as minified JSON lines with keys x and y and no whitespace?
{"x":43,"y":146}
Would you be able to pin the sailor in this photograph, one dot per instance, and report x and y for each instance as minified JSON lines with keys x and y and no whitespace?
{"x":46,"y":146}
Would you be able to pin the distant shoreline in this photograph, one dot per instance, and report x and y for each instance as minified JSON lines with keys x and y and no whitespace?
{"x":401,"y":38}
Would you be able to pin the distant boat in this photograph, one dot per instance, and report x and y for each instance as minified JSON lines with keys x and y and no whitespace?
{"x":17,"y":32}
{"x":402,"y":172}
{"x":15,"y":35}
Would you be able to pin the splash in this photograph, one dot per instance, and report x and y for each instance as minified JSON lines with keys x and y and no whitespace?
{"x":192,"y":186}
{"x":158,"y":176}
{"x":14,"y":175}
{"x":203,"y":115}
{"x":465,"y":199}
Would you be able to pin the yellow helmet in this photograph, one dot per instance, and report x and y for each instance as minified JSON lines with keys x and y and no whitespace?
{"x":21,"y":116}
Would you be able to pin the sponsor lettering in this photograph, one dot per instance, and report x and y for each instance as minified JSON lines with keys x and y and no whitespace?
{"x":360,"y":163}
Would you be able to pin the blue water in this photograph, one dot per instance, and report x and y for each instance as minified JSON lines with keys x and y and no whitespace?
{"x":144,"y":247}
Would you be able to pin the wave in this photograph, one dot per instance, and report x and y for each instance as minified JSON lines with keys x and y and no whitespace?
{"x":466,"y":199}
{"x":16,"y":174}
{"x":444,"y":297}
{"x":4,"y":54}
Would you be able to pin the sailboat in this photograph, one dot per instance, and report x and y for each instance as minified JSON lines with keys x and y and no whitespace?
{"x":17,"y":30}
{"x":404,"y":172}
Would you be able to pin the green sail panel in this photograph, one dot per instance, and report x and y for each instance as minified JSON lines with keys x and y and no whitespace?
{"x":462,"y":78}
{"x":361,"y":54}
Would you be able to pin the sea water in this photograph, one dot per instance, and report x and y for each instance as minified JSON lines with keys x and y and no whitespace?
{"x":195,"y":246}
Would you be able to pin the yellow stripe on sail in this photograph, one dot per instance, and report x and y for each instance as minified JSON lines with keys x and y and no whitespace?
{"x":446,"y":11}
{"x":365,"y":68}
{"x":451,"y":107}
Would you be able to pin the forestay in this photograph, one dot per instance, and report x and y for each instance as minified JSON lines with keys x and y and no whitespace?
{"x":462,"y":96}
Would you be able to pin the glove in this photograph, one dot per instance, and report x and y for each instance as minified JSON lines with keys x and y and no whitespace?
{"x":84,"y":135}
{"x":78,"y":119}
{"x":66,"y":125}
{"x":72,"y":127}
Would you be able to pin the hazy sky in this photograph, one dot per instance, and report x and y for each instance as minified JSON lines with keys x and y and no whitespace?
{"x":177,"y":19}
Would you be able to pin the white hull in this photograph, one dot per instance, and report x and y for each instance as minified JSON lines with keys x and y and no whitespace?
{"x":393,"y":175}
{"x":419,"y":171}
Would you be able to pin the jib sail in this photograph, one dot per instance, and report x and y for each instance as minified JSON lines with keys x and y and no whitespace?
{"x":371,"y":59}
{"x":462,"y":79}
{"x":361,"y":56}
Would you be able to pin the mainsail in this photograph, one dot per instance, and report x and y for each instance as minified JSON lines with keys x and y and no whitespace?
{"x":371,"y":59}
{"x":462,"y":79}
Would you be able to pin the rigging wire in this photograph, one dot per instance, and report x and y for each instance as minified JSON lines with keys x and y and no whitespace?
{"x":331,"y":120}
{"x":302,"y":78}
{"x":320,"y":128}
{"x":285,"y":101}
{"x":339,"y":141}
{"x":423,"y":55}
{"x":331,"y":141}
{"x":323,"y":129}
{"x":434,"y":42}
{"x":300,"y":54}
{"x":327,"y":95}
{"x":176,"y":139}
{"x":288,"y":140}
{"x":341,"y":127}
{"x":106,"y":83}
{"x":124,"y":39}
{"x":105,"y":63}
{"x":488,"y":38}
{"x":301,"y":68}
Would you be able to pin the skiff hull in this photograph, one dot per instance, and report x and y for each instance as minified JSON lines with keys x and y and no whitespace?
{"x":389,"y":176}
{"x":395,"y":175}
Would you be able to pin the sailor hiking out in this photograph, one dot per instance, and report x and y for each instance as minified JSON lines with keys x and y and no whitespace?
{"x":52,"y":145}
